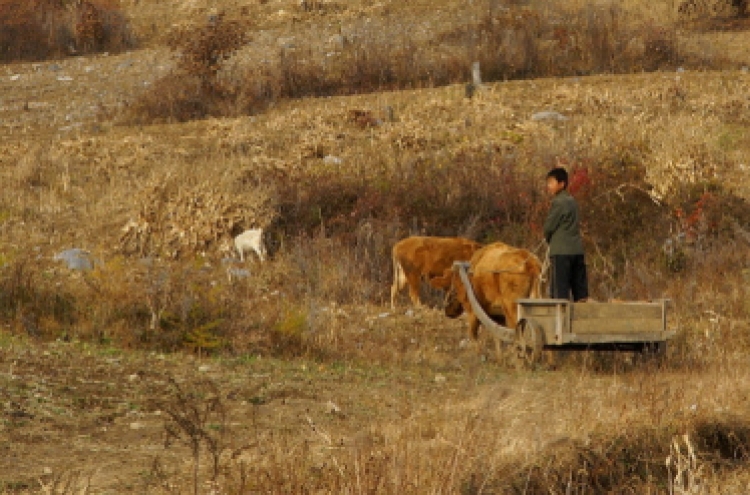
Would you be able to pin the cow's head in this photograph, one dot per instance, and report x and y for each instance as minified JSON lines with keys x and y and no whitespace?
{"x":455,"y":292}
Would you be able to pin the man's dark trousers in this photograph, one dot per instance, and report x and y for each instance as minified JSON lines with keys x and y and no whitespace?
{"x":568,"y":274}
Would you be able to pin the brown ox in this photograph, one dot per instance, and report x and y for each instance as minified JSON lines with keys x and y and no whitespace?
{"x":417,"y":257}
{"x":500,"y":275}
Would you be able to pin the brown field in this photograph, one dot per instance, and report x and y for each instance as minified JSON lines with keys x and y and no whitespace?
{"x":156,"y":373}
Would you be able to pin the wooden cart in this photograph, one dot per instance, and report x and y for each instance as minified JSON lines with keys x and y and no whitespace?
{"x":549,"y":324}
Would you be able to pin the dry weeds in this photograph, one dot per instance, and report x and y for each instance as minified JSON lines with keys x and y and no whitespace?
{"x":321,"y":389}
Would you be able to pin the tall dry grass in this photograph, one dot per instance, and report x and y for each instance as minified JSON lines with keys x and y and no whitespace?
{"x":574,"y":432}
{"x":650,"y":163}
{"x":334,"y":233}
{"x":336,"y":184}
{"x":612,"y":424}
{"x":509,"y":41}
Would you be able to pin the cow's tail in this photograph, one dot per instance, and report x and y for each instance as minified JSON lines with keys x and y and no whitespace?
{"x":399,"y":280}
{"x":535,"y":270}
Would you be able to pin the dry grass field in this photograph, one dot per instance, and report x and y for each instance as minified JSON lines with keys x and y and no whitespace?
{"x":156,"y":372}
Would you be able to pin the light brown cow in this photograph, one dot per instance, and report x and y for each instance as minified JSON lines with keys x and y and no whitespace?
{"x":500,"y":275}
{"x":418,"y":257}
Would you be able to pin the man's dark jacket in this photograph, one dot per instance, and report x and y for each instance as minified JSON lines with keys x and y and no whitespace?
{"x":561,"y":229}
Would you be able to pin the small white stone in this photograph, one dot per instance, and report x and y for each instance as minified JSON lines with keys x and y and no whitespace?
{"x":204,"y":368}
{"x":332,"y":160}
{"x":133,"y":377}
{"x":137,"y":426}
{"x":549,"y":115}
{"x":332,"y":408}
{"x":439,"y":379}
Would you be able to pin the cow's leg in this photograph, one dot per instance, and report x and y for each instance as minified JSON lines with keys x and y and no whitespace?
{"x":511,"y":314}
{"x":398,"y":282}
{"x":414,"y":280}
{"x":498,"y":350}
{"x":473,"y":327}
{"x":474,"y":332}
{"x":394,"y":291}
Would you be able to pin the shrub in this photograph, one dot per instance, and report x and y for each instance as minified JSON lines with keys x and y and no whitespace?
{"x":32,"y":304}
{"x":475,"y":192}
{"x":194,"y":89}
{"x":39,"y":29}
{"x":692,"y":9}
{"x":509,"y":42}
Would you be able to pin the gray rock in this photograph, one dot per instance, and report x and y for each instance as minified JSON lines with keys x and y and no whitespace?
{"x":337,"y":40}
{"x":549,"y":115}
{"x":287,"y":43}
{"x":76,"y":259}
{"x":54,"y":67}
{"x":332,"y":160}
{"x":237,"y":273}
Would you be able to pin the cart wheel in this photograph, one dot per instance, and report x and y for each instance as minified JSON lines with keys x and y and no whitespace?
{"x":529,"y":343}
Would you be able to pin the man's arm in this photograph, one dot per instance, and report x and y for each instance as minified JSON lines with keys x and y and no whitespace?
{"x":553,"y":219}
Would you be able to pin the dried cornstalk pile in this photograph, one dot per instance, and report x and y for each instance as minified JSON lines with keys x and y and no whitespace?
{"x":176,"y":221}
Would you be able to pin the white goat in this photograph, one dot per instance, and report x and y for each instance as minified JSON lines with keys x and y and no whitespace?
{"x":250,"y":240}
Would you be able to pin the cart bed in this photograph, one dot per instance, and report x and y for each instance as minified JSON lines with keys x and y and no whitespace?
{"x":563,"y":323}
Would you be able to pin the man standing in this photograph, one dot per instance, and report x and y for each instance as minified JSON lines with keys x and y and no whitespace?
{"x":563,"y":234}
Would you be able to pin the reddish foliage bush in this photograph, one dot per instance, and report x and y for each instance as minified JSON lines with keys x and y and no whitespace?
{"x":39,"y":29}
{"x":580,"y":182}
{"x":708,"y":211}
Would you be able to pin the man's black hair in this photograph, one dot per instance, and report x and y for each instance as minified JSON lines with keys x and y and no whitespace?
{"x":559,"y":174}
